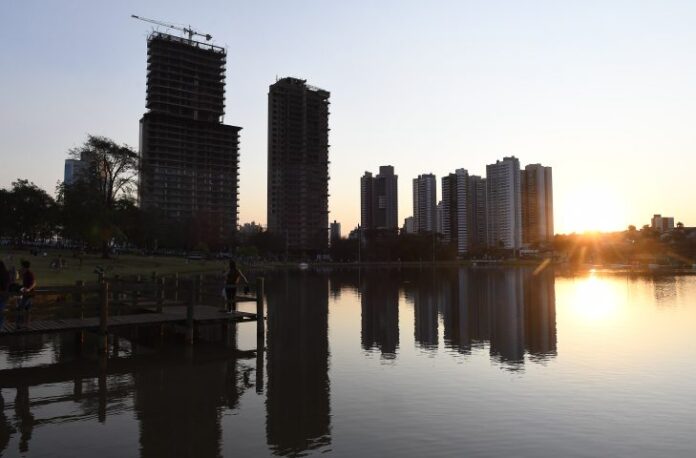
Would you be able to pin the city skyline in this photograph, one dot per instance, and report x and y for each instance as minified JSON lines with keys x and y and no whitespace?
{"x":584,"y":104}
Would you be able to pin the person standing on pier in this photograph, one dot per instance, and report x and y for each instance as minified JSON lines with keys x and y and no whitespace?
{"x":5,"y":282}
{"x":27,"y":291}
{"x":232,"y":277}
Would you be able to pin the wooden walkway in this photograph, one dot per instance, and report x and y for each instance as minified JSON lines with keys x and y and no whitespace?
{"x":202,"y":314}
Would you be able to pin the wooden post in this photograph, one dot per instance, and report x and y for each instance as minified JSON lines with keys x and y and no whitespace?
{"x":103,"y":318}
{"x":176,"y":287}
{"x":135,"y":291}
{"x":199,"y":289}
{"x":259,"y":306}
{"x":79,"y":300}
{"x":160,"y":294}
{"x":189,"y":312}
{"x":102,"y":403}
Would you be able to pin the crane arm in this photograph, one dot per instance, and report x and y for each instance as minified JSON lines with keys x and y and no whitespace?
{"x":188,"y":30}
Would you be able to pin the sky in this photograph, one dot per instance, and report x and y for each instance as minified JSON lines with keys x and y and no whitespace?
{"x":602,"y":91}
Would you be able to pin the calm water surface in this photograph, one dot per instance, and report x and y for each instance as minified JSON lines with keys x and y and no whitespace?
{"x":447,"y":362}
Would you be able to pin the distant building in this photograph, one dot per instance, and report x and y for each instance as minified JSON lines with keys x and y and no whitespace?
{"x":503,"y":202}
{"x":188,"y":157}
{"x":409,"y":225}
{"x":379,"y":200}
{"x":477,"y":212}
{"x":536,"y":184}
{"x":335,"y":231}
{"x":424,"y":203}
{"x":438,"y":218}
{"x":298,"y":165}
{"x":455,"y":202}
{"x":661,"y":223}
{"x":73,"y":169}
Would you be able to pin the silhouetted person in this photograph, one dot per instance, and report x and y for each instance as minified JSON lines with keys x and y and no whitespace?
{"x":27,"y":292}
{"x":5,"y":283}
{"x":232,"y":278}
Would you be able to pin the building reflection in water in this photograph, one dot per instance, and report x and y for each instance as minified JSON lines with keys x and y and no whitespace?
{"x":179,"y":409}
{"x":379,"y":303}
{"x":513,"y":310}
{"x":510,"y":310}
{"x":298,"y":408}
{"x":419,"y":288}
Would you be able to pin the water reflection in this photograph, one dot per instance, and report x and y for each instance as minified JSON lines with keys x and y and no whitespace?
{"x":179,"y":395}
{"x":379,"y":303}
{"x":511,"y":310}
{"x":298,"y":410}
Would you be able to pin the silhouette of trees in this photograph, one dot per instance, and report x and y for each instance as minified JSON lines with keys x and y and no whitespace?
{"x":28,"y":213}
{"x":101,"y":192}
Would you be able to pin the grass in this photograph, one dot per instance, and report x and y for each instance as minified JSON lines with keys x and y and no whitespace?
{"x":117,"y":265}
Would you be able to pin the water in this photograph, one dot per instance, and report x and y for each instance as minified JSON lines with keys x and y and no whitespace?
{"x":446,"y":362}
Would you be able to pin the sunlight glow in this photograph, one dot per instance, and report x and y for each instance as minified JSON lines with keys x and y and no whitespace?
{"x":591,"y":208}
{"x":595,"y":300}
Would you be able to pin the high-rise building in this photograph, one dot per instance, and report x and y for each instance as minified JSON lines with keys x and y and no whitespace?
{"x":189,"y":159}
{"x":379,"y":200}
{"x":409,"y":226}
{"x":476,"y":212}
{"x":424,"y":203}
{"x":504,"y":204}
{"x":661,"y":223}
{"x":73,"y":169}
{"x":298,"y":165}
{"x":335,"y":231}
{"x":455,"y":211}
{"x":536,"y":183}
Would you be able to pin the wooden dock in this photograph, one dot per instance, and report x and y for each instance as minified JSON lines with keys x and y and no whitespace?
{"x":202,"y":314}
{"x":126,"y":305}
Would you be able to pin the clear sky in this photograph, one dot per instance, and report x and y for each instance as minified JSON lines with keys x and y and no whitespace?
{"x":602,"y":91}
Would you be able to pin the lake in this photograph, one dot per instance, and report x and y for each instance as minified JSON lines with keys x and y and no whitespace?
{"x":381,"y":362}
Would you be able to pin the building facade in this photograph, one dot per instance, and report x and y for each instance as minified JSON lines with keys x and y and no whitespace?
{"x":188,"y":157}
{"x":536,"y":183}
{"x":661,"y":223}
{"x":504,"y":204}
{"x":425,"y":203}
{"x":298,"y":165}
{"x":72,"y":170}
{"x":477,"y":212}
{"x":335,"y":231}
{"x":455,"y":209}
{"x":379,"y":203}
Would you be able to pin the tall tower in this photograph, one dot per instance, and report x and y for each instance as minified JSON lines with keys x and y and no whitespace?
{"x":504,"y":204}
{"x":476,"y":212}
{"x":536,"y":182}
{"x":189,"y":159}
{"x":424,"y":203}
{"x":455,"y":209}
{"x":298,"y":165}
{"x":379,"y":199}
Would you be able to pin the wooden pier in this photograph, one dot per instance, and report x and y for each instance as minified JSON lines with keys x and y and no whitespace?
{"x":131,"y":304}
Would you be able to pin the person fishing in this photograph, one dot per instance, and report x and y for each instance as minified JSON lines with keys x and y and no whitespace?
{"x":232,"y":278}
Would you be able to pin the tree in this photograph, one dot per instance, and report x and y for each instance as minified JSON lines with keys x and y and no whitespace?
{"x":108,"y":176}
{"x":29,"y":212}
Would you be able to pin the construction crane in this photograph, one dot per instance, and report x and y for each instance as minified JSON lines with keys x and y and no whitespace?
{"x":188,"y":30}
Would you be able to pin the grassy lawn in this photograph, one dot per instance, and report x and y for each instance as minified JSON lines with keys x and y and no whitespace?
{"x":117,"y":265}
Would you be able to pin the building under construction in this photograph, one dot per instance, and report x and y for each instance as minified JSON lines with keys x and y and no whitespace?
{"x":298,"y":165}
{"x":189,"y":158}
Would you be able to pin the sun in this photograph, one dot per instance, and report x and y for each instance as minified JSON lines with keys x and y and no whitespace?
{"x":589,"y":209}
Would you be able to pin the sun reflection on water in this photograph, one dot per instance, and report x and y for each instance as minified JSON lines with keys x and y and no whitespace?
{"x":595,"y":299}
